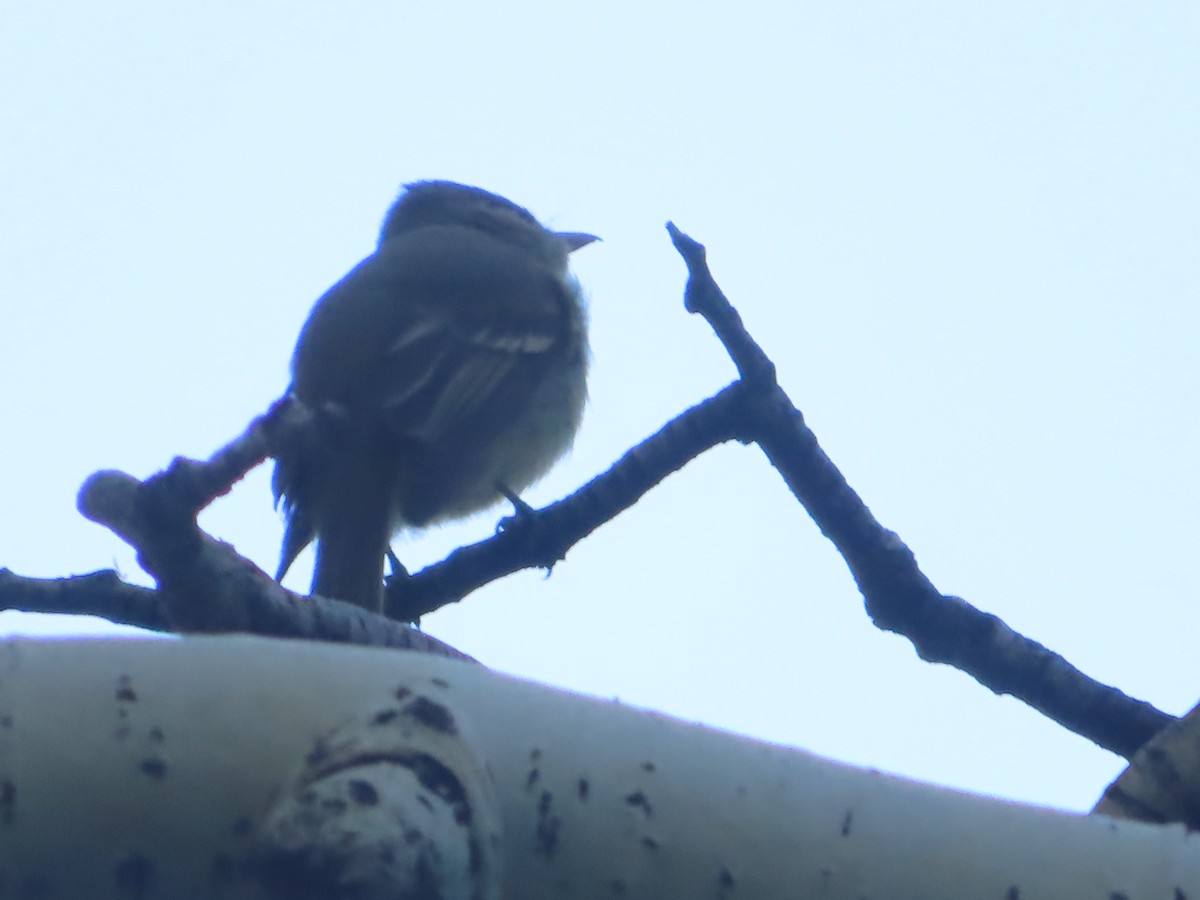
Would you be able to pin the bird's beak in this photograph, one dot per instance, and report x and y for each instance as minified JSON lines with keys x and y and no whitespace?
{"x":575,"y":239}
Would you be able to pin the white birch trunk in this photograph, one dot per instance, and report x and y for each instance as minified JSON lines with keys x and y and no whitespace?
{"x":161,"y":768}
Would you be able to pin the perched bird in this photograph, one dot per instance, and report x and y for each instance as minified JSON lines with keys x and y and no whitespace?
{"x":446,"y":368}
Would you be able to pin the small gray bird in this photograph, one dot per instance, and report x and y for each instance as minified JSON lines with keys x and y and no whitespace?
{"x":447,"y":366}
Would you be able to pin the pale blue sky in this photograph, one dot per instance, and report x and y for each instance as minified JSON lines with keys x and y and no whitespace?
{"x":964,"y":231}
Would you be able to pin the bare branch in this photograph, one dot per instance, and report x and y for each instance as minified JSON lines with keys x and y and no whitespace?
{"x":540,"y":538}
{"x":101,"y":594}
{"x":899,"y":597}
{"x":207,"y":586}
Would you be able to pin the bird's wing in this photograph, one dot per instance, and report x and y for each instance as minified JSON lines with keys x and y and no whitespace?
{"x":441,"y":374}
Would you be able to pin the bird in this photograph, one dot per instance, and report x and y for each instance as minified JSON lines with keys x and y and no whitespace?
{"x":445,"y":371}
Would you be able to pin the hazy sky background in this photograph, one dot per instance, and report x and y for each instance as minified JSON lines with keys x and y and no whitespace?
{"x":965,"y":232}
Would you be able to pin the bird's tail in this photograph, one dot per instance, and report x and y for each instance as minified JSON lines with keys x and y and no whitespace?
{"x":352,"y":543}
{"x":338,"y":490}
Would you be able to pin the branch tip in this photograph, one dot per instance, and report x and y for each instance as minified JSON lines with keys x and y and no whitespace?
{"x":104,"y":496}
